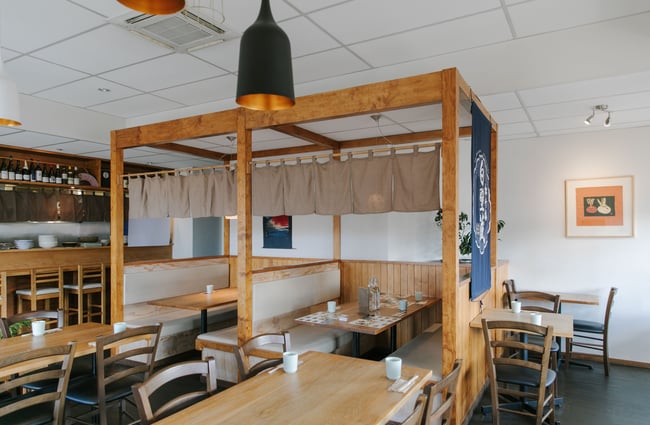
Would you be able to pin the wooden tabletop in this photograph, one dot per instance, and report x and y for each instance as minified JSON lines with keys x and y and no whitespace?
{"x":327,"y":389}
{"x":347,"y":316}
{"x":200,"y":300}
{"x":84,"y":334}
{"x":562,"y":323}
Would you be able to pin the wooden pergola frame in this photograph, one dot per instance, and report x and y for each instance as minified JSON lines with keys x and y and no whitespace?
{"x":445,"y":87}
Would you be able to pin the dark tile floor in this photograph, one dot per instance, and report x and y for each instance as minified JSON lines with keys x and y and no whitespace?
{"x":590,"y":398}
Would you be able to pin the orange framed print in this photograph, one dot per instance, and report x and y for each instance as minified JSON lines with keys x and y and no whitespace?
{"x":600,"y":207}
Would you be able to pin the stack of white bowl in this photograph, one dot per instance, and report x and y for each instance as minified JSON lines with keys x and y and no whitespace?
{"x":47,"y":241}
{"x":24,"y":243}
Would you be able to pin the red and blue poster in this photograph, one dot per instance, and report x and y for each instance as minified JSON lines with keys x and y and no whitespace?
{"x":277,"y":232}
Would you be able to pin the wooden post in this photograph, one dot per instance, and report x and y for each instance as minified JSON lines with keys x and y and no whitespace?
{"x":226,"y":222}
{"x":450,"y":102}
{"x":244,"y":230}
{"x":117,"y":232}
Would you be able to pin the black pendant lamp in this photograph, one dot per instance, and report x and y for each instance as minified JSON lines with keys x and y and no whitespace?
{"x":155,"y":7}
{"x":265,"y":80}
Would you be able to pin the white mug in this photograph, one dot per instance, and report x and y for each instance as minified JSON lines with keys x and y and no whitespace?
{"x":119,"y":327}
{"x":516,"y":306}
{"x":393,"y":367}
{"x":536,"y":318}
{"x":209,"y":289}
{"x":38,"y":327}
{"x":290,"y":361}
{"x":403,"y":304}
{"x":331,"y":306}
{"x":418,"y":295}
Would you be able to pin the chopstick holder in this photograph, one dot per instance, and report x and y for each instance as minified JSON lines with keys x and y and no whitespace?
{"x":403,"y":385}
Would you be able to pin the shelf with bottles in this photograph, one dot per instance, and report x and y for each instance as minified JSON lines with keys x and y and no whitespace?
{"x":21,"y":171}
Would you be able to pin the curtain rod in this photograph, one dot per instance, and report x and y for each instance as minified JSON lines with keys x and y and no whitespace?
{"x":290,"y":159}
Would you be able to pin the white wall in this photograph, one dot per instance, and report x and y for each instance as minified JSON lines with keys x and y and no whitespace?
{"x":531,"y":201}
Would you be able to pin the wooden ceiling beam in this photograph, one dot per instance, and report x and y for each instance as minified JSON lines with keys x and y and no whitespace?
{"x":204,"y":153}
{"x":306,"y":135}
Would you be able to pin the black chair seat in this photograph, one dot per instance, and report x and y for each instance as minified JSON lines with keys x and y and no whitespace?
{"x":533,"y":339}
{"x":517,"y":375}
{"x":84,"y":391}
{"x":82,"y":367}
{"x":588,"y":326}
{"x":33,"y":415}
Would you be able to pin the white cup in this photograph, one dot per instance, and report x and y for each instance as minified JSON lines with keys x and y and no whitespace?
{"x":403,"y":304}
{"x":119,"y":327}
{"x":418,"y":295}
{"x":290,"y":361}
{"x":331,"y":306}
{"x":516,"y":306}
{"x":209,"y":289}
{"x":536,"y":318}
{"x":393,"y":367}
{"x":38,"y":327}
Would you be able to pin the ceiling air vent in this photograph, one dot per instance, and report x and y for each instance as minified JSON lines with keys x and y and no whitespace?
{"x":182,"y":32}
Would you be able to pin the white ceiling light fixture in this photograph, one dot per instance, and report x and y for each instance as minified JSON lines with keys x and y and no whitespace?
{"x":600,"y":108}
{"x":9,"y":101}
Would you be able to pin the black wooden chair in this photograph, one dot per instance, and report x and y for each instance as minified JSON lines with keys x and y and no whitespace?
{"x":41,"y":407}
{"x":526,"y":381}
{"x":120,"y":365}
{"x":593,"y":335}
{"x":167,"y":380}
{"x":252,"y":349}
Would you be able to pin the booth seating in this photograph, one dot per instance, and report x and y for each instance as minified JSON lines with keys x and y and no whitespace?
{"x":148,"y":281}
{"x":276,"y":304}
{"x":424,"y":351}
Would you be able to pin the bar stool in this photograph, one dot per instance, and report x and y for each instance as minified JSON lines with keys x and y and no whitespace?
{"x":45,"y":285}
{"x":90,"y":281}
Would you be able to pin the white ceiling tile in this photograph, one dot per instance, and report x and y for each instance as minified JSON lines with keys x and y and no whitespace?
{"x":516,"y":136}
{"x":86,"y":92}
{"x":135,"y":106}
{"x":203,"y":91}
{"x":8,"y":54}
{"x":77,"y":147}
{"x":239,"y":14}
{"x":500,"y":101}
{"x":32,"y":75}
{"x":510,"y":116}
{"x":29,"y":25}
{"x":311,"y":5}
{"x":164,"y":72}
{"x":306,"y":38}
{"x":443,"y":38}
{"x":9,"y":130}
{"x":360,"y":20}
{"x":103,"y":49}
{"x":428,"y":125}
{"x":31,"y":139}
{"x":325,"y":64}
{"x":541,"y":16}
{"x":340,"y":124}
{"x":517,"y":128}
{"x":587,"y":89}
{"x":108,"y":9}
{"x":224,"y":55}
{"x":421,"y":113}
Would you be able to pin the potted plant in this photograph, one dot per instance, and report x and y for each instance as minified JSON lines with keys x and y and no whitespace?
{"x":465,"y":231}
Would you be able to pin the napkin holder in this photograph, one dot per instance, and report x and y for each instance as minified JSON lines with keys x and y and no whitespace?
{"x":363,"y":301}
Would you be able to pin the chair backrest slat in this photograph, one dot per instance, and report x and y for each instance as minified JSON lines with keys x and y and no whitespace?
{"x":447,"y":388}
{"x":254,"y":345}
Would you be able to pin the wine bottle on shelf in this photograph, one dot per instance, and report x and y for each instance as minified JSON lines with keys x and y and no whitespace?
{"x":58,"y":179}
{"x":45,"y":176}
{"x":76,"y":181}
{"x":38,"y":172}
{"x":11,"y":173}
{"x":4,"y":172}
{"x":26,"y":173}
{"x":52,"y":175}
{"x":70,"y":176}
{"x":18,"y":172}
{"x":64,"y":175}
{"x":32,"y":171}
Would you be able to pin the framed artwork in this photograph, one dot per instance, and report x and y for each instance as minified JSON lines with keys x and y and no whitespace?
{"x":277,"y":232}
{"x":602,"y":207}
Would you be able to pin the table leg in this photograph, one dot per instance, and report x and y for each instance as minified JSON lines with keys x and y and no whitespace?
{"x":204,"y":321}
{"x":356,"y":344}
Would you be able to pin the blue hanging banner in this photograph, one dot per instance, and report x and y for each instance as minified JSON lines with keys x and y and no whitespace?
{"x":481,"y":203}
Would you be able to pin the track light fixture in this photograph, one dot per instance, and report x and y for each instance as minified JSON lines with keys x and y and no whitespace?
{"x":601,"y":108}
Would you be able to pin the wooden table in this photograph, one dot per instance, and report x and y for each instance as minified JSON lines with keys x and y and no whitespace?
{"x":84,"y":334}
{"x":327,"y":389}
{"x":200,"y":301}
{"x":562,"y":323}
{"x":386,"y":318}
